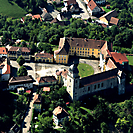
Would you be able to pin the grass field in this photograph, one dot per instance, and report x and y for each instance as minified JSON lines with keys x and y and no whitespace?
{"x":130,"y":58}
{"x":11,"y":9}
{"x":85,"y":70}
{"x":130,"y":1}
{"x":106,"y":10}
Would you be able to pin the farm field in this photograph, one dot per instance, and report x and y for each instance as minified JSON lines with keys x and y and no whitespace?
{"x":11,"y":9}
{"x":85,"y":70}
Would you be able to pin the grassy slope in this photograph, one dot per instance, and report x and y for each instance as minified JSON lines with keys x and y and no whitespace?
{"x":130,"y":58}
{"x":85,"y":70}
{"x":11,"y":9}
{"x":106,"y":10}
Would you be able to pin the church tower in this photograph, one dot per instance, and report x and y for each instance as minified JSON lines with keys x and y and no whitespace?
{"x":73,"y":80}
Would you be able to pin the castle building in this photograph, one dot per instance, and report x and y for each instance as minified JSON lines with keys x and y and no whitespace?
{"x":78,"y":87}
{"x":82,"y":47}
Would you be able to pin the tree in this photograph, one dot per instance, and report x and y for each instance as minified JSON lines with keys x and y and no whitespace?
{"x":22,"y":71}
{"x":104,"y":128}
{"x":20,"y":60}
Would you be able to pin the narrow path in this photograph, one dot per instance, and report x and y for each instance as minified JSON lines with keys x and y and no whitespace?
{"x":27,"y":120}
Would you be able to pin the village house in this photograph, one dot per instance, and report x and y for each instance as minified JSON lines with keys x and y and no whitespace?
{"x":99,"y":2}
{"x":23,"y":81}
{"x":93,"y":8}
{"x":37,"y":103}
{"x":5,"y":69}
{"x":110,"y":18}
{"x":59,"y":114}
{"x":3,"y":52}
{"x":44,"y":57}
{"x":15,"y":52}
{"x":46,"y":81}
{"x":82,"y":47}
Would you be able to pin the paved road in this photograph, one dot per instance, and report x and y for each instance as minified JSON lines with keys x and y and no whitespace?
{"x":27,"y":120}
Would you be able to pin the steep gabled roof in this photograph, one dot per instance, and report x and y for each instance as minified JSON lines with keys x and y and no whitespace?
{"x":110,"y":65}
{"x":92,"y":5}
{"x":85,"y":43}
{"x":37,"y":99}
{"x":23,"y":49}
{"x":46,"y":79}
{"x":97,"y":78}
{"x":3,"y":50}
{"x":119,"y":57}
{"x":60,"y":112}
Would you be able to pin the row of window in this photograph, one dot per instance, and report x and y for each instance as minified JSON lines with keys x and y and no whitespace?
{"x":62,"y":56}
{"x":83,"y":49}
{"x":62,"y":59}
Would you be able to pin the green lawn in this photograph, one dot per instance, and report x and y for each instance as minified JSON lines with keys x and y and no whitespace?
{"x":130,"y":58}
{"x":130,"y":1}
{"x":11,"y":9}
{"x":106,"y":10}
{"x":85,"y":70}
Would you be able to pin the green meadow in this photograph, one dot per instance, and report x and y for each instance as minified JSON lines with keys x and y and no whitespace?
{"x":11,"y":9}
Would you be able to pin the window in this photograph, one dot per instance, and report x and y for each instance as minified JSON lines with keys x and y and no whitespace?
{"x":92,"y":49}
{"x":85,"y":52}
{"x":76,"y":81}
{"x":59,"y":59}
{"x":83,"y":48}
{"x":88,"y":52}
{"x":98,"y":85}
{"x":59,"y":55}
{"x":102,"y":85}
{"x":95,"y":87}
{"x":72,"y":47}
{"x":64,"y":56}
{"x":70,"y":80}
{"x":98,"y":49}
{"x":88,"y":49}
{"x":75,"y":48}
{"x":80,"y":48}
{"x":98,"y":53}
{"x":80,"y":51}
{"x":64,"y":59}
{"x":92,"y":52}
{"x":88,"y":88}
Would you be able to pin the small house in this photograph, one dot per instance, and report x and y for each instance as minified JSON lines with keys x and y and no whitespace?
{"x":59,"y":114}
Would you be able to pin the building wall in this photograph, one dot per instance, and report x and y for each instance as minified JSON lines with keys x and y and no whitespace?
{"x":62,"y":59}
{"x":14,"y":56}
{"x":42,"y":59}
{"x":3,"y":55}
{"x":27,"y":85}
{"x":104,"y":20}
{"x":37,"y":107}
{"x":94,"y":87}
{"x":85,"y":52}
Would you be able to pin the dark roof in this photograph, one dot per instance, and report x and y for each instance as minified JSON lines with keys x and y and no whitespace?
{"x":21,"y":79}
{"x":85,"y":43}
{"x":64,"y":50}
{"x":114,"y":20}
{"x":46,"y":55}
{"x":46,"y":16}
{"x":110,"y":14}
{"x":23,"y":49}
{"x":98,"y":77}
{"x":46,"y":79}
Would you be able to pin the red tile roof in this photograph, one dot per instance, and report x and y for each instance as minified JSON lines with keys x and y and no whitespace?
{"x":114,"y":20}
{"x":119,"y":57}
{"x":92,"y":5}
{"x":46,"y":88}
{"x":38,"y":16}
{"x":3,"y":50}
{"x":60,"y":112}
{"x":46,"y":55}
{"x":37,"y":99}
{"x":8,"y":71}
{"x":23,"y":49}
{"x":46,"y":79}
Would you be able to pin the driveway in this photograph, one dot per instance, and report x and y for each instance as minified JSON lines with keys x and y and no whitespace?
{"x":27,"y":121}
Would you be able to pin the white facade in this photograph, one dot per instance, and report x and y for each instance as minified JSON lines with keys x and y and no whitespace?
{"x":3,"y":55}
{"x":26,"y":85}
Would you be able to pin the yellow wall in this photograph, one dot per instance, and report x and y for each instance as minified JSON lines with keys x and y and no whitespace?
{"x":62,"y":59}
{"x":104,"y":20}
{"x":85,"y":52}
{"x":44,"y":59}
